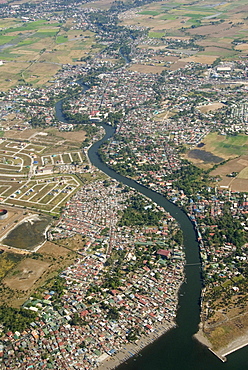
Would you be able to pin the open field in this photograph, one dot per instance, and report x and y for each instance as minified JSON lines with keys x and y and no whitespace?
{"x":225,"y":146}
{"x":233,"y":174}
{"x":144,"y":68}
{"x":217,"y":148}
{"x":25,"y":274}
{"x":226,"y":328}
{"x":210,"y":107}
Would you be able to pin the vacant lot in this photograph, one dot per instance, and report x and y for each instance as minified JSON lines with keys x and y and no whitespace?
{"x":25,"y":274}
{"x":53,"y":250}
{"x":235,"y":166}
{"x":144,"y":68}
{"x":210,"y":107}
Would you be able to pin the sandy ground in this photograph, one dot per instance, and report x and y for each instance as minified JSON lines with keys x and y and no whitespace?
{"x":131,"y":349}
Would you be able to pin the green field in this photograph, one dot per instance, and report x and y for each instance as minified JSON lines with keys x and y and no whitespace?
{"x":169,"y":17}
{"x":61,"y":39}
{"x":31,"y":26}
{"x":226,"y":145}
{"x":6,"y":39}
{"x":156,"y":35}
{"x":149,"y":12}
{"x":45,"y":33}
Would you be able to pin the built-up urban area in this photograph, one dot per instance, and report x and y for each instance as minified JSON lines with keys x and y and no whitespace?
{"x":115,"y":292}
{"x":121,"y":292}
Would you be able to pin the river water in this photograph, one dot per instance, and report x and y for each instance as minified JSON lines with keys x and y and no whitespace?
{"x":177,"y":349}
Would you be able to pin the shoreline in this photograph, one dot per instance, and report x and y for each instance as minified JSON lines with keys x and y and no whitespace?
{"x":133,"y":349}
{"x":231,"y":347}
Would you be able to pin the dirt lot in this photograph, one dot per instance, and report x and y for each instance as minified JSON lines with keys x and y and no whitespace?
{"x":143,"y":68}
{"x":210,"y":107}
{"x":234,"y":165}
{"x":73,"y":135}
{"x":210,"y":30}
{"x":25,"y":274}
{"x":53,"y":250}
{"x":226,"y":327}
{"x":238,"y":183}
{"x":205,"y":59}
{"x":22,"y":135}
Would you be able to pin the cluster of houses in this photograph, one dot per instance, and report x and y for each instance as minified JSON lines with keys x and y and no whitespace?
{"x":96,"y":315}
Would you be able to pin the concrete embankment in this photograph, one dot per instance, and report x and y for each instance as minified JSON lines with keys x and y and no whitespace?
{"x":221,"y":353}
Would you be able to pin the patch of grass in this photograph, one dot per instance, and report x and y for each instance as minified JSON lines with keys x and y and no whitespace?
{"x":7,"y":261}
{"x":6,"y":39}
{"x":227,"y":145}
{"x":9,"y":56}
{"x":27,"y":42}
{"x":197,"y":15}
{"x":28,"y":26}
{"x":156,"y":34}
{"x":149,"y":12}
{"x":61,"y":39}
{"x":169,"y":17}
{"x":45,"y":33}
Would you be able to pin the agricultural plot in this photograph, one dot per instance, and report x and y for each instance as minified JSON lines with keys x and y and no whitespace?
{"x":233,"y":174}
{"x":215,"y":25}
{"x":34,"y":50}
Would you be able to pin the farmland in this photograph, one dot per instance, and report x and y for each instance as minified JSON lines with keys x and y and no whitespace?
{"x":226,"y":146}
{"x":214,"y":26}
{"x":33,"y":52}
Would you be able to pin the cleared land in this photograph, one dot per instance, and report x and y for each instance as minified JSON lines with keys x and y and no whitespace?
{"x":233,"y":174}
{"x":210,"y":107}
{"x":25,"y":274}
{"x":144,"y":68}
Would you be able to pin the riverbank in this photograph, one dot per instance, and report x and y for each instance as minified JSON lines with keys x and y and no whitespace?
{"x":231,"y":347}
{"x":132,"y":349}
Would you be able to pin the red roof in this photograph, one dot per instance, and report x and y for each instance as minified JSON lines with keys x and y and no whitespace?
{"x":163,"y":252}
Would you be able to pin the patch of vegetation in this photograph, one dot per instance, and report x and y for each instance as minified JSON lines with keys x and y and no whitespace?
{"x":149,"y":12}
{"x":140,"y":213}
{"x":61,"y":39}
{"x":14,"y":319}
{"x":156,"y":34}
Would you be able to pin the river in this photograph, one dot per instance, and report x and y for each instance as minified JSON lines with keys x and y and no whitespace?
{"x":177,"y":349}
